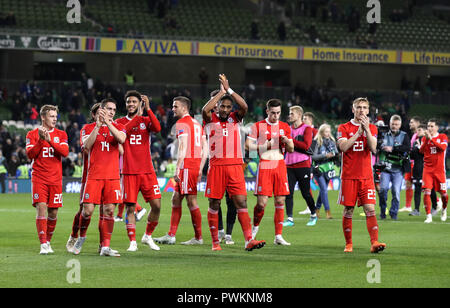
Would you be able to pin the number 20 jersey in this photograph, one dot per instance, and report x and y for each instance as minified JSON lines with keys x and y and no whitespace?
{"x":357,"y":161}
{"x":103,"y":157}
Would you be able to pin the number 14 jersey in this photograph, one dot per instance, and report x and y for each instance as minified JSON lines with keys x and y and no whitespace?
{"x":103,"y":157}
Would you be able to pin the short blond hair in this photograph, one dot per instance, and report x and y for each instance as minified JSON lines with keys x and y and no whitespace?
{"x":46,"y":108}
{"x":297,"y":109}
{"x":360,"y":99}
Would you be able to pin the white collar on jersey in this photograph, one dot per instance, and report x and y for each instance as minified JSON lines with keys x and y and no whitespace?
{"x":186,"y":115}
{"x":355,"y":123}
{"x":432,"y":137}
{"x":268,"y":122}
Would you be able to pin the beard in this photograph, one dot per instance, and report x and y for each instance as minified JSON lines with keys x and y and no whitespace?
{"x":133,"y":113}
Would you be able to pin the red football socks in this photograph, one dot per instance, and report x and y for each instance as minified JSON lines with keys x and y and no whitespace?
{"x":151,"y":226}
{"x":444,"y":198}
{"x":84,"y":224}
{"x":41,"y":226}
{"x":76,"y":225}
{"x":347,"y":228}
{"x":245,"y":221}
{"x":409,"y":196}
{"x":174,"y":220}
{"x":107,"y":230}
{"x":279,"y":218}
{"x":372,"y":226}
{"x":131,"y":232}
{"x":196,"y":218}
{"x":120,"y":210}
{"x":213,"y":222}
{"x":427,"y":201}
{"x":258,"y":213}
{"x":51,"y":225}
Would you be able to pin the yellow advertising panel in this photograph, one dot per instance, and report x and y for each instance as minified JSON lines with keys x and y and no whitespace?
{"x":137,"y":46}
{"x":426,"y":58}
{"x":248,"y":51}
{"x":349,"y":55}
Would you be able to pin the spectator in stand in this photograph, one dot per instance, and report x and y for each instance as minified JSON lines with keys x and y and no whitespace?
{"x":12,"y":165}
{"x":281,"y":30}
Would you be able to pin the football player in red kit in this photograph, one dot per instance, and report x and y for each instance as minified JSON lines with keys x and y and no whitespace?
{"x":434,"y":147}
{"x":192,"y":154}
{"x":357,"y":139}
{"x":46,"y":146}
{"x":225,"y":165}
{"x":101,"y":140}
{"x":138,"y":171}
{"x":271,"y":138}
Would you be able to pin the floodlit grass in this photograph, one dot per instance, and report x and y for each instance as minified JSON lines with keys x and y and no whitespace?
{"x":417,"y":255}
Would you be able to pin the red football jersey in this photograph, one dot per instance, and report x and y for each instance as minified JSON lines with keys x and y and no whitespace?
{"x":357,"y":161}
{"x":434,"y":152}
{"x":137,"y":158}
{"x":47,"y":156}
{"x":188,"y":126}
{"x":103,"y":157}
{"x":263,"y":131}
{"x":224,"y":139}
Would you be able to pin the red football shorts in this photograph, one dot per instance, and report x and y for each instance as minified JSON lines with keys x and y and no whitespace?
{"x":361,"y":191}
{"x":146,"y":183}
{"x":102,"y":192}
{"x":431,"y":180}
{"x":48,"y":194}
{"x":188,"y":182}
{"x":272,"y":178}
{"x":226,"y":177}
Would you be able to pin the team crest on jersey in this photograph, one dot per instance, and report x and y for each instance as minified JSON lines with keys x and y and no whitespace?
{"x":142,"y":125}
{"x":339,"y":135}
{"x":86,"y":196}
{"x":230,"y":120}
{"x":281,"y":132}
{"x":36,"y":196}
{"x":27,"y":141}
{"x":56,"y":140}
{"x":105,"y":135}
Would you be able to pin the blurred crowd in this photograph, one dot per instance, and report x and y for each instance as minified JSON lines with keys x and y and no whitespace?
{"x":75,"y":99}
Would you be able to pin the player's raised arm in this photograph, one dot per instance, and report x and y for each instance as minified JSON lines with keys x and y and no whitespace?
{"x":154,"y":126}
{"x":33,"y":146}
{"x":243,"y":107}
{"x":88,"y":141}
{"x":344,"y":144}
{"x":61,"y":148}
{"x":209,"y":106}
{"x":371,"y":140}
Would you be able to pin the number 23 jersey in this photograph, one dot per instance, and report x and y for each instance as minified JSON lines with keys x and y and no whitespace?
{"x":103,"y":157}
{"x":357,"y":161}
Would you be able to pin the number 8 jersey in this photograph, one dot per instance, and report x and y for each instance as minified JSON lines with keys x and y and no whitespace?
{"x":188,"y":126}
{"x":103,"y":157}
{"x":357,"y":161}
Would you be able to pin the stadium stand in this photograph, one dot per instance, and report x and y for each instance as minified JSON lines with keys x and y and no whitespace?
{"x":331,"y":23}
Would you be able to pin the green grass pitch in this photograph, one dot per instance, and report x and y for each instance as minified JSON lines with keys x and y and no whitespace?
{"x":417,"y":255}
